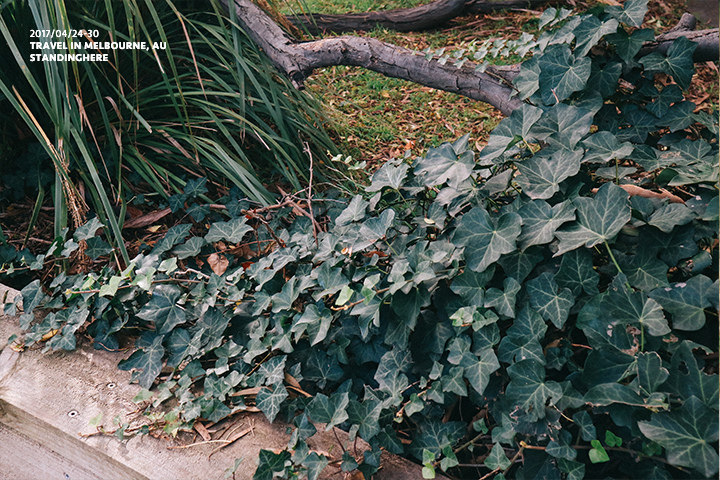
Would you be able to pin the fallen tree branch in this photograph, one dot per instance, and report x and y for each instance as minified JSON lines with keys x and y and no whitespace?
{"x":412,"y":19}
{"x":298,"y":60}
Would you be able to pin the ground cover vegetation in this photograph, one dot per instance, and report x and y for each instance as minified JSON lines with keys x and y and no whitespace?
{"x":543,"y":308}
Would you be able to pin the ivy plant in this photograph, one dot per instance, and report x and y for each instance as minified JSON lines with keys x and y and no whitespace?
{"x":545,"y":308}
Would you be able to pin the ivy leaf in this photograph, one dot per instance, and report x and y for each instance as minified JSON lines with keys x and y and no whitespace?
{"x":645,"y":271}
{"x":191,"y":248}
{"x":442,"y":164}
{"x":162,"y":309}
{"x":497,"y":460}
{"x":329,"y":410}
{"x":541,"y":175}
{"x":686,"y":434}
{"x":563,"y":126}
{"x":315,"y":464}
{"x":518,"y":265}
{"x":628,"y":45}
{"x":195,"y":187}
{"x":633,"y":308}
{"x":587,"y":429}
{"x":529,"y":390}
{"x":486,"y":239}
{"x":503,"y":301}
{"x":540,"y":221}
{"x":669,"y":216}
{"x":599,"y":219}
{"x":661,"y":104}
{"x":270,"y":463}
{"x":32,"y":295}
{"x":97,"y":247}
{"x":366,"y":414}
{"x":561,"y":73}
{"x":604,"y":78}
{"x":87,"y":230}
{"x":317,"y":323}
{"x":577,"y":273}
{"x":433,"y":435}
{"x":609,"y":393}
{"x":354,"y":212}
{"x":651,"y":373}
{"x":687,"y":301}
{"x":597,"y":454}
{"x":453,"y":382}
{"x":590,"y":31}
{"x":604,"y":146}
{"x":179,"y":346}
{"x":148,"y":360}
{"x":678,"y":63}
{"x":477,"y":368}
{"x":233,"y":231}
{"x":528,"y":80}
{"x":514,"y":348}
{"x":687,"y":379}
{"x":471,"y":285}
{"x":501,"y":138}
{"x":631,"y":13}
{"x":269,"y":400}
{"x":391,"y":174}
{"x":551,"y":302}
{"x":376,"y":227}
{"x":213,"y":324}
{"x":173,"y":236}
{"x":574,"y":470}
{"x":678,"y":117}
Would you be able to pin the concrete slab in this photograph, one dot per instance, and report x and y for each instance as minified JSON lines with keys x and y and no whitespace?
{"x":48,"y":399}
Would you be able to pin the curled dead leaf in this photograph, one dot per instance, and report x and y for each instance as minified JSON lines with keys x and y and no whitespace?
{"x":218,"y":263}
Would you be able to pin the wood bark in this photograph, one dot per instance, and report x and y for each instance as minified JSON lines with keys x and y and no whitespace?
{"x":417,"y":18}
{"x":297,"y":60}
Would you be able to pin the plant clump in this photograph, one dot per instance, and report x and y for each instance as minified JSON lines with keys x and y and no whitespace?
{"x":546,"y":308}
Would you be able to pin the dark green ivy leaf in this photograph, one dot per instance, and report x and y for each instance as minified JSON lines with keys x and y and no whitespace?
{"x":329,"y":410}
{"x":634,"y":308}
{"x":604,"y":146}
{"x":191,"y":248}
{"x":540,"y":221}
{"x":87,"y":230}
{"x":471,"y":285}
{"x":485,"y":239}
{"x":686,"y":434}
{"x":541,"y":175}
{"x":561,"y":73}
{"x":497,"y":460}
{"x":270,"y":463}
{"x":678,"y":63}
{"x":147,"y":360}
{"x":97,"y":247}
{"x":233,"y":231}
{"x":503,"y":301}
{"x":442,"y":164}
{"x":163,"y":310}
{"x":599,"y":219}
{"x":391,"y":174}
{"x":628,"y":45}
{"x":631,"y":13}
{"x":590,"y":31}
{"x":269,"y":399}
{"x":687,"y":301}
{"x":577,"y":273}
{"x":551,"y":302}
{"x":529,"y":390}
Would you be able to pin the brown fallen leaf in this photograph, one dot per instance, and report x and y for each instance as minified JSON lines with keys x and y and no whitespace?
{"x":218,"y":263}
{"x":200,"y":428}
{"x":147,"y":219}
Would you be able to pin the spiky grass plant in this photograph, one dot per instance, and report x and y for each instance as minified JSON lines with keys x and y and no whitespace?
{"x":208,"y":104}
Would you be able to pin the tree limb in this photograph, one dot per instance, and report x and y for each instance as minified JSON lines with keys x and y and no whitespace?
{"x":298,"y":60}
{"x":417,"y":18}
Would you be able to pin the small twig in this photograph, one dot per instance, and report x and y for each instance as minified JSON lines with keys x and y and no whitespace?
{"x":179,"y":447}
{"x":309,"y":195}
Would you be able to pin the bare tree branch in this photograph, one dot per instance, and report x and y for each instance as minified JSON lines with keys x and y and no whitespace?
{"x":298,"y":60}
{"x":417,"y":18}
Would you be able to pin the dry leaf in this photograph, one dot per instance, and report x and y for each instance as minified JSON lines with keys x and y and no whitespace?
{"x":218,"y":263}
